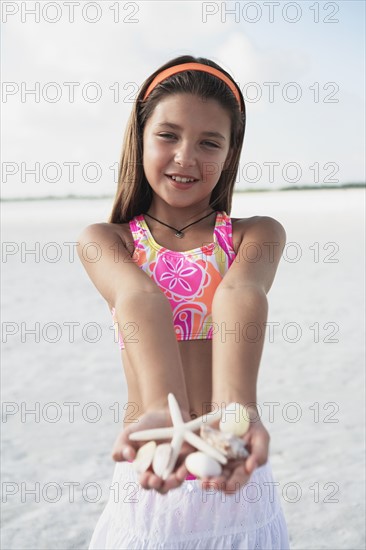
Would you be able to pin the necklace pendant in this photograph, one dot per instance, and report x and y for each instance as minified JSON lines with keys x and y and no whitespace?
{"x":179,"y":234}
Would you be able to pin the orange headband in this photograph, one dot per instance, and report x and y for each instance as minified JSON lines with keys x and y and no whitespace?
{"x":193,"y":67}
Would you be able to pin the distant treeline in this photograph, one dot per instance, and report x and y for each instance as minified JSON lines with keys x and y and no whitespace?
{"x":304,"y":188}
{"x":243,"y":190}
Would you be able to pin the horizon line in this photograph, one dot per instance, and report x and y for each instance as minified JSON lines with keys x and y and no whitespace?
{"x":71,"y":196}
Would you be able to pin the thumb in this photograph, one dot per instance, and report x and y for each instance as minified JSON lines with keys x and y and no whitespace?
{"x":251,"y":464}
{"x":129,"y":453}
{"x":260,"y":447}
{"x":123,"y":448}
{"x":123,"y":452}
{"x":258,"y":455}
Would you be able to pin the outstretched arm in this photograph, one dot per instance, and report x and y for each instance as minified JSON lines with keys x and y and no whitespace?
{"x":137,"y":300}
{"x":157,"y":364}
{"x":239,"y":313}
{"x":240,"y":309}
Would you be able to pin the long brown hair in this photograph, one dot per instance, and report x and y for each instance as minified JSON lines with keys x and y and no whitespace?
{"x":134,"y":194}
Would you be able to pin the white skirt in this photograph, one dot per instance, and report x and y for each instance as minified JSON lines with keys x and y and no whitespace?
{"x":188,"y":517}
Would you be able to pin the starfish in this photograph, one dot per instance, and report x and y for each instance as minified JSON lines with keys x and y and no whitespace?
{"x":179,"y":432}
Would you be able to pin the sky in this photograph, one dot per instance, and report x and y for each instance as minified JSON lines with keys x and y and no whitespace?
{"x":310,"y":54}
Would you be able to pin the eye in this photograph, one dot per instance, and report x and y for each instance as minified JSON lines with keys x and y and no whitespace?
{"x":166,"y":135}
{"x":211,"y":144}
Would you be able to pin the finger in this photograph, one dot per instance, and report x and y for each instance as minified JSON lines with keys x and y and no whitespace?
{"x":123,"y":451}
{"x":238,"y":478}
{"x":227,"y":481}
{"x":213,"y":485}
{"x":258,"y":455}
{"x":171,"y":483}
{"x":216,"y":482}
{"x":123,"y":448}
{"x":143,"y":479}
{"x":181,"y":473}
{"x":155,"y":482}
{"x":174,"y":480}
{"x":251,"y":463}
{"x":149,"y":480}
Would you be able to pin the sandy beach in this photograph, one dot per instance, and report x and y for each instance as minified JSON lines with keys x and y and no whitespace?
{"x":64,"y":391}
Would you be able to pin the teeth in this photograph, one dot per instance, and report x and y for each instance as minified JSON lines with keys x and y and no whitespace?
{"x":182,"y":180}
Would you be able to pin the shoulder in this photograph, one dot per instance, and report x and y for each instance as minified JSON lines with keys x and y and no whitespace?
{"x":257,"y":227}
{"x":259,"y":244}
{"x":105,"y":232}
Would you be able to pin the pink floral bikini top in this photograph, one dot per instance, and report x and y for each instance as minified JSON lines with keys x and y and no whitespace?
{"x":188,"y":279}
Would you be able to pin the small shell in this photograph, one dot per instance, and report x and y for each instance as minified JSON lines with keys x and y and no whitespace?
{"x":234,"y":419}
{"x":202,"y":465}
{"x":230,"y":445}
{"x":144,"y":457}
{"x":163,"y":453}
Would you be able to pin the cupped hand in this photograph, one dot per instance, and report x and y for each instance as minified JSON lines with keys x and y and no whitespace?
{"x":237,"y":472}
{"x":126,"y":449}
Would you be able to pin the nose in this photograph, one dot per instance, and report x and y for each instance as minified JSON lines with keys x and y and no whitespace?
{"x":185,"y":154}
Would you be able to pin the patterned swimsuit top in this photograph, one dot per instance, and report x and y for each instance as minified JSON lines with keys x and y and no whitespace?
{"x":188,"y":279}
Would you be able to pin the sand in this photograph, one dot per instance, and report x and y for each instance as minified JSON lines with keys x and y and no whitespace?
{"x":56,"y":466}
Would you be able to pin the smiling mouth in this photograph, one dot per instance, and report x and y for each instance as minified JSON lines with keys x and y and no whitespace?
{"x":181,"y":182}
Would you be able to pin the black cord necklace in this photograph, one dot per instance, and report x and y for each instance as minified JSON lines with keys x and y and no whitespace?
{"x":179,"y":232}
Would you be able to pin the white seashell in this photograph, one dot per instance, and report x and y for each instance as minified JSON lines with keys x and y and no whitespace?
{"x":202,"y":465}
{"x":230,"y":445}
{"x":234,"y":419}
{"x":144,"y":457}
{"x":162,"y":455}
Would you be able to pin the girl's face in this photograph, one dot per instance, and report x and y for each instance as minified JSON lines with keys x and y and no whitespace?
{"x":185,"y":136}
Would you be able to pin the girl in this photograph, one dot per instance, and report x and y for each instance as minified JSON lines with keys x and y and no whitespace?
{"x":190,"y":304}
